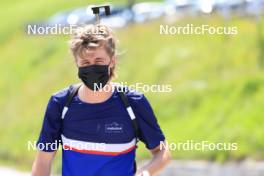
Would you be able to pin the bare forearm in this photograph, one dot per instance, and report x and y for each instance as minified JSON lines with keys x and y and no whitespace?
{"x":40,"y":169}
{"x":42,"y":163}
{"x":158,"y":162}
{"x":160,"y":159}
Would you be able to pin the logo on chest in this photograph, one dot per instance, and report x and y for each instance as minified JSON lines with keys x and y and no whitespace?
{"x":114,"y":128}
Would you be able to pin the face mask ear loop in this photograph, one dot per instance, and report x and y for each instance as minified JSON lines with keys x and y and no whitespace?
{"x":109,"y":71}
{"x":109,"y":66}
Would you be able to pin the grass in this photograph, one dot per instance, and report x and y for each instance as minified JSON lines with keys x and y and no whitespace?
{"x":218,"y":86}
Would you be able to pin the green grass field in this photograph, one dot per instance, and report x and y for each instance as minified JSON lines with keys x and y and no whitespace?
{"x":217,"y":81}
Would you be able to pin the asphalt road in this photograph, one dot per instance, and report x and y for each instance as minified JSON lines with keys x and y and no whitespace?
{"x":204,"y":168}
{"x":190,"y":168}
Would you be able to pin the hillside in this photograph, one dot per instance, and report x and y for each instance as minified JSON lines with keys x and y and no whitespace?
{"x":218,"y":85}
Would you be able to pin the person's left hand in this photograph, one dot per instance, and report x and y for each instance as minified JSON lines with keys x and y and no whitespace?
{"x":143,"y":173}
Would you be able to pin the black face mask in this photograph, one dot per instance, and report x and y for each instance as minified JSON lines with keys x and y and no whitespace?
{"x":94,"y":76}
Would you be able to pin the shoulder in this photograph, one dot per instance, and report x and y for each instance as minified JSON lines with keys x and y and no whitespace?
{"x":62,"y":93}
{"x":59,"y":97}
{"x":135,"y":97}
{"x":139,"y":103}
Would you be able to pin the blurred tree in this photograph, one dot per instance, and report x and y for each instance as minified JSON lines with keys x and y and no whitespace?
{"x":130,"y":5}
{"x":260,"y":41}
{"x":257,"y":11}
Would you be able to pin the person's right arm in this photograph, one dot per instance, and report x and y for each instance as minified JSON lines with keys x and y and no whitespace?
{"x":42,"y":163}
{"x":50,"y":134}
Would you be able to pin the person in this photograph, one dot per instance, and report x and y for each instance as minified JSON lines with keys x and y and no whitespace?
{"x":96,"y":133}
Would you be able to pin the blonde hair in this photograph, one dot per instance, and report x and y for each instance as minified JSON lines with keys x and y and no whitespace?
{"x":92,"y":37}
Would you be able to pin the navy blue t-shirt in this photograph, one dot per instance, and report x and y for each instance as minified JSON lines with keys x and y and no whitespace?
{"x":98,"y":139}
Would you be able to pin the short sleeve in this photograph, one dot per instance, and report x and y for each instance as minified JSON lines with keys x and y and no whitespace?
{"x":150,"y":131}
{"x":50,"y":135}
